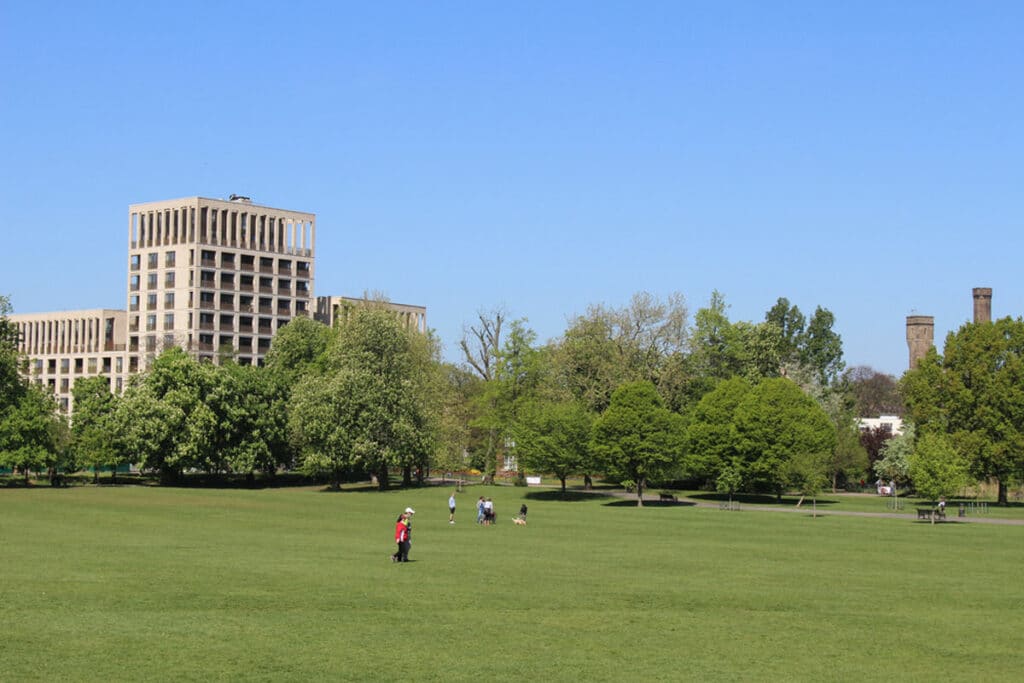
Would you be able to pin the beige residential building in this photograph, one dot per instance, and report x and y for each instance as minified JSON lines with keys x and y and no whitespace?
{"x":216,"y":277}
{"x":333,"y":309}
{"x":63,"y":346}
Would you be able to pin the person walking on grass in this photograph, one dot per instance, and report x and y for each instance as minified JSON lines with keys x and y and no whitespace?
{"x":480,"y":511}
{"x":451,"y":508}
{"x":401,"y":537}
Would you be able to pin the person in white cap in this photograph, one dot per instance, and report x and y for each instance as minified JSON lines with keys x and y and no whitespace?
{"x":409,"y":512}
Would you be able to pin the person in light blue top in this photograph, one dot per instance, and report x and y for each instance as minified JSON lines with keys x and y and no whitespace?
{"x":480,"y":511}
{"x":451,"y":508}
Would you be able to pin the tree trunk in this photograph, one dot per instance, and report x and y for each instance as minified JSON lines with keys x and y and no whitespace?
{"x":113,"y":474}
{"x":407,"y":475}
{"x":382,"y":478}
{"x":801,"y":501}
{"x":640,"y":493}
{"x":563,"y":486}
{"x":588,"y":483}
{"x":1002,"y":492}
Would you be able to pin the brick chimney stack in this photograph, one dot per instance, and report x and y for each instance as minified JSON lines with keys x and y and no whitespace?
{"x":920,"y":336}
{"x":982,"y":304}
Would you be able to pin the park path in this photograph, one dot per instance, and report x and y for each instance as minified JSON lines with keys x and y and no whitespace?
{"x":806,"y":510}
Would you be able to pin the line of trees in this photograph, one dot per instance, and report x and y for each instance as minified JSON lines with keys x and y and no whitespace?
{"x":639,"y":393}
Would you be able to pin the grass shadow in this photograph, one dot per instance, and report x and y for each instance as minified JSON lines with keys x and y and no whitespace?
{"x":570,"y":496}
{"x":758,"y":499}
{"x":652,"y":503}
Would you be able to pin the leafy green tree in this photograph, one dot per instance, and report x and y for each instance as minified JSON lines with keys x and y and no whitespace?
{"x":637,"y":438}
{"x":297,"y":348}
{"x":975,"y":394}
{"x":789,"y":323}
{"x":28,"y":432}
{"x":821,"y":347}
{"x":710,"y":433}
{"x":896,"y":455}
{"x":606,"y":347}
{"x":459,"y":441}
{"x":92,"y":427}
{"x":249,"y":407}
{"x":775,"y":422}
{"x":937,"y":468}
{"x":147,"y":428}
{"x":729,"y":480}
{"x":553,"y":437}
{"x":849,"y":458}
{"x":873,"y":393}
{"x":372,"y":411}
{"x":12,"y":387}
{"x":808,"y":473}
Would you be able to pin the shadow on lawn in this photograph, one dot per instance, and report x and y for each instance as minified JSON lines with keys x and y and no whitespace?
{"x":758,"y":499}
{"x":570,"y":496}
{"x":650,"y":503}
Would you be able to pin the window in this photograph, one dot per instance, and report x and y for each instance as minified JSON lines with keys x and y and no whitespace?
{"x":169,"y":300}
{"x":78,"y":365}
{"x":133,"y":283}
{"x":151,"y":281}
{"x":64,"y":386}
{"x":150,"y":302}
{"x":133,"y":302}
{"x":92,"y":366}
{"x":169,"y":279}
{"x":168,"y":321}
{"x":133,"y":262}
{"x":65,"y":365}
{"x":150,"y":322}
{"x":153,"y":260}
{"x":169,"y":259}
{"x":119,"y":365}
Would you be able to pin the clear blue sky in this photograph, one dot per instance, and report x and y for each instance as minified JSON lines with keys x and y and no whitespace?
{"x":865,"y":157}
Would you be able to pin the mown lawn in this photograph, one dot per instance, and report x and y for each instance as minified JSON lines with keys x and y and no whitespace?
{"x":142,"y":583}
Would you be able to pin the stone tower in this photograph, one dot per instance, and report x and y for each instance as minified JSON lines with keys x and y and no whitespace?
{"x":982,"y":305}
{"x":920,"y":336}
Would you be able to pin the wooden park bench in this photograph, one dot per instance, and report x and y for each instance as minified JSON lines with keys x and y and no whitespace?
{"x":667,"y":497}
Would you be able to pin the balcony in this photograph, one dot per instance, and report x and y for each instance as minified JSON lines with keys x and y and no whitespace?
{"x":207,"y":305}
{"x":227,"y":306}
{"x":205,"y":325}
{"x":245,"y":328}
{"x":208,"y":262}
{"x":204,"y":346}
{"x":266,"y":309}
{"x":266,"y":289}
{"x":267,"y":268}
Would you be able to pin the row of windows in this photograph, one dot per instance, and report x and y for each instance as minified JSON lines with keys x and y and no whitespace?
{"x":90,"y":365}
{"x":227,"y":261}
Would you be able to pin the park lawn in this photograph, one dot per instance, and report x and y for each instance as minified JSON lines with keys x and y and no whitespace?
{"x":144,"y":583}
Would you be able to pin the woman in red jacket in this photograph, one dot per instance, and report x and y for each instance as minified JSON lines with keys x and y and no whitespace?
{"x":401,"y":539}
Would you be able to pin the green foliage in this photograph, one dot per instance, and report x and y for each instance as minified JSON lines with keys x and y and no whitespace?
{"x":822,"y":348}
{"x":936,"y":467}
{"x":711,"y":434}
{"x":637,"y":437}
{"x":371,"y":411}
{"x":297,"y":348}
{"x":607,"y":347}
{"x":29,"y":431}
{"x":12,"y":387}
{"x":774,"y":423}
{"x":93,"y":429}
{"x":896,"y":455}
{"x":553,"y":437}
{"x":975,"y":394}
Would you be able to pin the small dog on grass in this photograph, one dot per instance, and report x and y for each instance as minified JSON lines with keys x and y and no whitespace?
{"x":519,"y":521}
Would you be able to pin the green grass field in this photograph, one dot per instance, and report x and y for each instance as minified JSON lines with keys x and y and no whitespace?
{"x":144,"y":583}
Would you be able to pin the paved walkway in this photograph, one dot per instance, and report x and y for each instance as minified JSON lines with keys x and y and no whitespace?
{"x":806,"y":510}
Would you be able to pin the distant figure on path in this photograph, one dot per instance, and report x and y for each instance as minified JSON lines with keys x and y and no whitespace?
{"x":451,"y":508}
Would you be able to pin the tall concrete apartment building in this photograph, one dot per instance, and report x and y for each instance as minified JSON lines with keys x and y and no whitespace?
{"x":215,"y":277}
